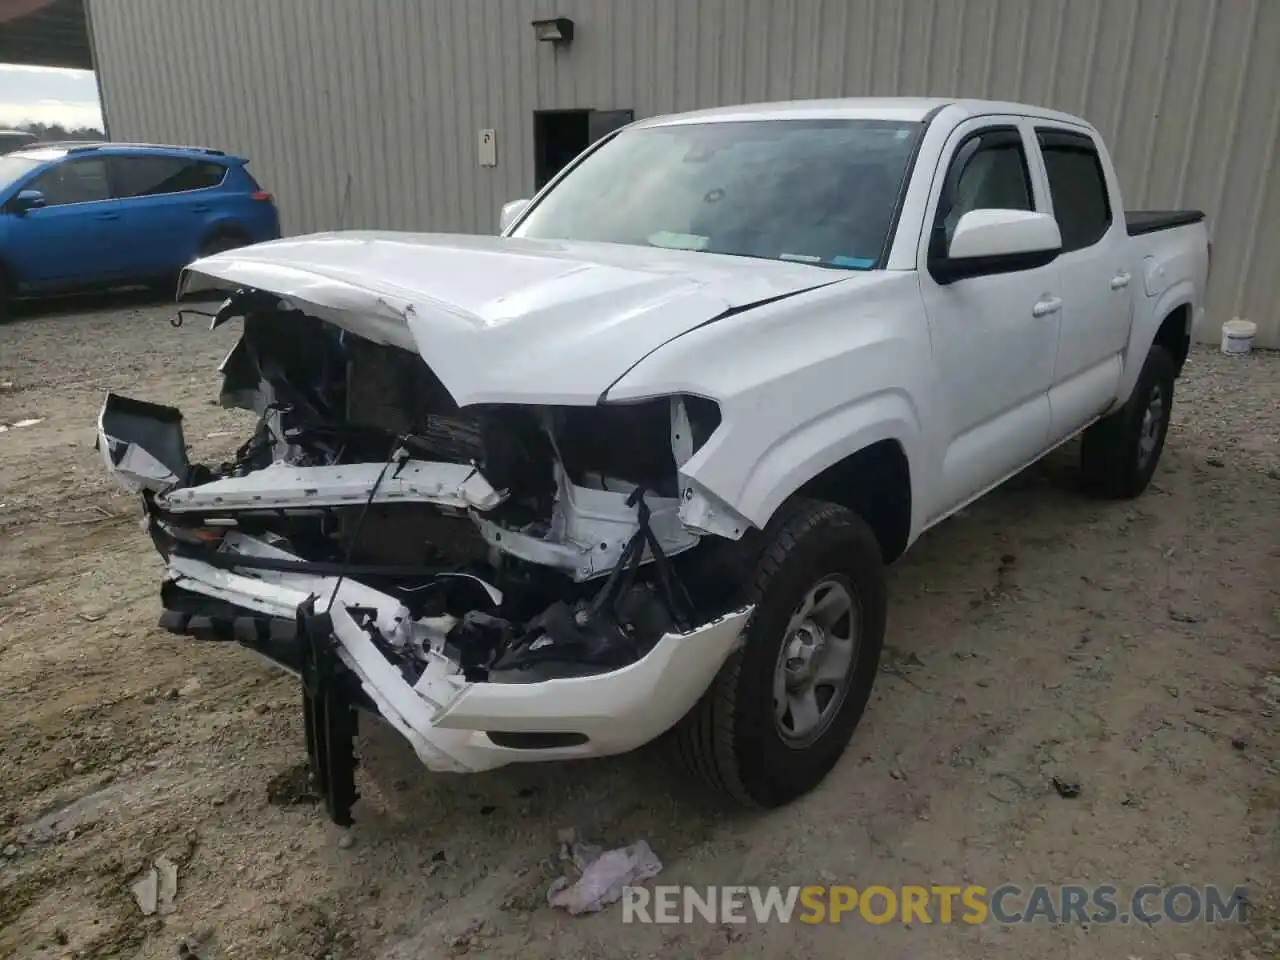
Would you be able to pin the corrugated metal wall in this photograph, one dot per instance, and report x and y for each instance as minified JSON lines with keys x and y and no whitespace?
{"x":366,"y":113}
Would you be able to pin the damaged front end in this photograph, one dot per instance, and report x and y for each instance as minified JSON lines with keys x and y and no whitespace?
{"x":500,"y":582}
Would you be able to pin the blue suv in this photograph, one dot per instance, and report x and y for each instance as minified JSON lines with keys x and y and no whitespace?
{"x":80,"y":215}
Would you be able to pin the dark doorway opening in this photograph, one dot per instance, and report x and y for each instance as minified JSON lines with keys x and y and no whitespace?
{"x":560,"y":135}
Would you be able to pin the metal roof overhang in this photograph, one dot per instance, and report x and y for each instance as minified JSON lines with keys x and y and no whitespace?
{"x":45,"y":33}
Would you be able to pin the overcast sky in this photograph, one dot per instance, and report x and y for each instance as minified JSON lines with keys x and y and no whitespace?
{"x":48,"y":95}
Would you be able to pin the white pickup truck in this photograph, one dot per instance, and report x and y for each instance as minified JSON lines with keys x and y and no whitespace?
{"x":634,"y":468}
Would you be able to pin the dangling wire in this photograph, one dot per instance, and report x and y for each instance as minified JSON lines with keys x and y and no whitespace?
{"x":398,"y":453}
{"x":176,"y":320}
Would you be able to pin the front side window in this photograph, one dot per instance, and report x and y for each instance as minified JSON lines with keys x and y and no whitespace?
{"x":155,"y":176}
{"x":1077,"y":186}
{"x":13,"y":169}
{"x":811,"y":191}
{"x":73,"y":181}
{"x":988,"y":172}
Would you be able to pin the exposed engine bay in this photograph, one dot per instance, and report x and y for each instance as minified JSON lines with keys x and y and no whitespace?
{"x":524,"y":543}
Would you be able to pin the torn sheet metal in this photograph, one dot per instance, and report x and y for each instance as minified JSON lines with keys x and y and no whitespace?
{"x":590,"y":529}
{"x":281,"y":486}
{"x":142,"y":443}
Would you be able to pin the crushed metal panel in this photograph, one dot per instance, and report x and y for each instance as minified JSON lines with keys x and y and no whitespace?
{"x":142,"y":443}
{"x":281,"y":486}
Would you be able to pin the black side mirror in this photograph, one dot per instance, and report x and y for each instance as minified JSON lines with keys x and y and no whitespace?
{"x":27,"y":200}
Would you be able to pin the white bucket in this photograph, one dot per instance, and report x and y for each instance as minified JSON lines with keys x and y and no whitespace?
{"x":1237,"y":337}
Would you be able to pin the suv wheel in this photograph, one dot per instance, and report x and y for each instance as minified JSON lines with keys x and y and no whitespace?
{"x":784,"y":706}
{"x":221,"y":242}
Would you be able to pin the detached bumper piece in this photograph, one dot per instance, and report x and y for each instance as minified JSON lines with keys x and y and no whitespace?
{"x":306,"y":646}
{"x":329,"y":714}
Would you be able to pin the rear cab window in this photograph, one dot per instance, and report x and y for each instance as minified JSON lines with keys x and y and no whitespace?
{"x":1077,"y":186}
{"x":159,"y":176}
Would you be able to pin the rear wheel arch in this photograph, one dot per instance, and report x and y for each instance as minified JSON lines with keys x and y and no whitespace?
{"x":223,"y":236}
{"x":1174,"y":334}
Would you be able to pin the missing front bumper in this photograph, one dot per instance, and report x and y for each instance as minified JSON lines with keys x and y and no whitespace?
{"x":354,"y":645}
{"x":453,"y":725}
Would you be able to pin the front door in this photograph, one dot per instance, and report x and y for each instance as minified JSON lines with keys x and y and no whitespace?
{"x":77,"y":236}
{"x":994,"y":337}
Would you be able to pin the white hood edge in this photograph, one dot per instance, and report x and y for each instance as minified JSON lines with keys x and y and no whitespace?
{"x":503,"y":320}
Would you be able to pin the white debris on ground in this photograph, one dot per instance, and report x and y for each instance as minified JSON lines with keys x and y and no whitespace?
{"x":602,"y":874}
{"x":29,"y":422}
{"x":157,"y":889}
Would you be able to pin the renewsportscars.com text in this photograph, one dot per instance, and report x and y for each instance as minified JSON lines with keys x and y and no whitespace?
{"x":940,"y":904}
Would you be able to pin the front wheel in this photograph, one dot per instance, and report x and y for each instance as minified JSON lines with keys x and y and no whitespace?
{"x":1119,"y":453}
{"x":784,"y":706}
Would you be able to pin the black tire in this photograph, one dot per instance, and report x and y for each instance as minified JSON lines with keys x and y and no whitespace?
{"x":222,"y":241}
{"x":732,"y":738}
{"x":1119,"y":453}
{"x":6,"y":295}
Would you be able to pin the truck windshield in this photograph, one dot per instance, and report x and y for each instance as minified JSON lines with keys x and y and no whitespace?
{"x":812,"y":191}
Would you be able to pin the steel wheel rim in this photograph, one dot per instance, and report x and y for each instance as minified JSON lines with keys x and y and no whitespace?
{"x":1149,"y":430}
{"x":815,"y":664}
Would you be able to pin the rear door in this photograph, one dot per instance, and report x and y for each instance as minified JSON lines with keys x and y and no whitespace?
{"x":994,"y":336}
{"x":77,"y":236}
{"x":166,"y":204}
{"x":1096,"y":276}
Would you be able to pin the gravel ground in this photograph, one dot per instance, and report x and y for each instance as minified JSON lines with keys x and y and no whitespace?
{"x":1133,"y":647}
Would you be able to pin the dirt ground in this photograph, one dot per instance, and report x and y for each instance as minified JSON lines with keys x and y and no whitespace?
{"x":1134,"y":647}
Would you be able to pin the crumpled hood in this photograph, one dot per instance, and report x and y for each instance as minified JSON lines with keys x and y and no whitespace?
{"x":506,"y":320}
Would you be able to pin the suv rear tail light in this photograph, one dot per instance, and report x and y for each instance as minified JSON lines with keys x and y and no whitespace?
{"x":263,"y":196}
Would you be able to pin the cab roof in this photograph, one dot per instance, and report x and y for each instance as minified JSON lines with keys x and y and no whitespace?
{"x":903,"y":109}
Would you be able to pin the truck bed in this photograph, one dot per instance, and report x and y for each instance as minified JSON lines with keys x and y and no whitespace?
{"x":1138,"y":222}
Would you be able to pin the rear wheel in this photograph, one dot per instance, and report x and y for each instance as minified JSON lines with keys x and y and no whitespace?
{"x":216,"y":243}
{"x":783,"y":708}
{"x":221,"y":242}
{"x":1119,"y":453}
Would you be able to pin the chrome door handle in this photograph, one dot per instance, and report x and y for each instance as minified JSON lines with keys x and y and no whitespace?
{"x":1045,"y":307}
{"x":1119,"y":281}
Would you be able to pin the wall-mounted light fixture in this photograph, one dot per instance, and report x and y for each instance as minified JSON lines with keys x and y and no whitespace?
{"x":558,"y":30}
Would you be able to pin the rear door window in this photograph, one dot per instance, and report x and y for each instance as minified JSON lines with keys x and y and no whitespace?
{"x":157,"y":176}
{"x":74,"y":181}
{"x":1078,"y":187}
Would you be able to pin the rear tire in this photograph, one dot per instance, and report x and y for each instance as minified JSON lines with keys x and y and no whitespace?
{"x":1119,"y":453}
{"x":221,"y":242}
{"x":744,"y":737}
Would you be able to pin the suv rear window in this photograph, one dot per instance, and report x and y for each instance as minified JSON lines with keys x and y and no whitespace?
{"x":155,"y":176}
{"x":1078,"y":187}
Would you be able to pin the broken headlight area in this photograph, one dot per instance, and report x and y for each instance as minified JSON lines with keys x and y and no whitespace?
{"x":518,"y":542}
